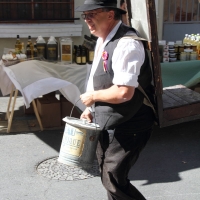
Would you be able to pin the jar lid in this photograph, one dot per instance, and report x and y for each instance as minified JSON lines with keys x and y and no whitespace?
{"x":171,"y":43}
{"x":188,"y":50}
{"x":178,"y":42}
{"x":63,"y":39}
{"x":172,"y":59}
{"x":172,"y":54}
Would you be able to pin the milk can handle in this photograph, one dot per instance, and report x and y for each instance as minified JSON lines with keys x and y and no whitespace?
{"x":83,"y":120}
{"x":74,"y":106}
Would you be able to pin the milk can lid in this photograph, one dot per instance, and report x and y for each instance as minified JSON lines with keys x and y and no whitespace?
{"x":80,"y":123}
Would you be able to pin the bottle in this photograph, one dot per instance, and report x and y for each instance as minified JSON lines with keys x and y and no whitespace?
{"x":188,"y":45}
{"x":83,"y":55}
{"x":18,"y":45}
{"x":195,"y":44}
{"x":52,"y":49}
{"x":185,"y":39}
{"x":78,"y":55}
{"x":35,"y":51}
{"x":41,"y":47}
{"x":28,"y":51}
{"x":23,"y":50}
{"x":189,"y":39}
{"x":90,"y":56}
{"x":93,"y":37}
{"x":31,"y":45}
{"x":74,"y":53}
{"x":198,"y":50}
{"x":181,"y":48}
{"x":90,"y":44}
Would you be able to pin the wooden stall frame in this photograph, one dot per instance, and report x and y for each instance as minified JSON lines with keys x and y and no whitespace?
{"x":11,"y":108}
{"x":176,"y":104}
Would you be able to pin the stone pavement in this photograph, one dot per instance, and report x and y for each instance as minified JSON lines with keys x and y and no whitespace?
{"x":168,"y":168}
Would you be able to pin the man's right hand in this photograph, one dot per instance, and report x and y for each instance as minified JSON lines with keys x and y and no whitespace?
{"x":86,"y":115}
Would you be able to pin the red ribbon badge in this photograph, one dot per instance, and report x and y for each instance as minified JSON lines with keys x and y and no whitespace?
{"x":105,"y":58}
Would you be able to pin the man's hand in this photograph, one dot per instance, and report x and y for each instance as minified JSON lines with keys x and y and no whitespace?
{"x":87,"y":99}
{"x":86,"y":115}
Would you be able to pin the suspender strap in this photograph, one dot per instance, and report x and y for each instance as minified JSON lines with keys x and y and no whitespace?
{"x":135,"y":37}
{"x":147,"y":101}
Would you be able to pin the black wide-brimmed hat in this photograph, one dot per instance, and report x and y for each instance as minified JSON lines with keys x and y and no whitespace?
{"x":96,"y":4}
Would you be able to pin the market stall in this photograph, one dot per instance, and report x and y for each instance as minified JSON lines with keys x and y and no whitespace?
{"x":174,"y":104}
{"x":35,"y":78}
{"x":186,"y":73}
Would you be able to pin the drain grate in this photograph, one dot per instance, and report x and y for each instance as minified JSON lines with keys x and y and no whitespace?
{"x":52,"y":169}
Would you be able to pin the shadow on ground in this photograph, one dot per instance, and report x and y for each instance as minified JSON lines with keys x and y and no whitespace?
{"x":51,"y":138}
{"x":170,"y":151}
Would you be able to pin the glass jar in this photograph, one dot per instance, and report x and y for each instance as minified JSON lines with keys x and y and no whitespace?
{"x":188,"y":52}
{"x":193,"y":55}
{"x":187,"y":46}
{"x":66,"y":53}
{"x":178,"y":56}
{"x":176,"y":48}
{"x":194,"y":47}
{"x":181,"y":48}
{"x":172,"y":59}
{"x":182,"y":56}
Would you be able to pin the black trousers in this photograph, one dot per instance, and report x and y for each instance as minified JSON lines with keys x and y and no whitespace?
{"x":117,"y":152}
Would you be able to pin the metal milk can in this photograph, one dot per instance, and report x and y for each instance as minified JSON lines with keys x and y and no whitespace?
{"x":79,"y":142}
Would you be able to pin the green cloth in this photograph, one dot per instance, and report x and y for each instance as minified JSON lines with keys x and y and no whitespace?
{"x":186,"y":73}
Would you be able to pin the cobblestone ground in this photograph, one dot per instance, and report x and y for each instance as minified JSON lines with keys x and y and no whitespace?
{"x":52,"y":169}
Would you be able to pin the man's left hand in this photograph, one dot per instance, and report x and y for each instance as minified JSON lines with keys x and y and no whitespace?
{"x":87,"y":99}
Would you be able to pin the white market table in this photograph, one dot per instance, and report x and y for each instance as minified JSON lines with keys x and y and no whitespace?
{"x":35,"y":78}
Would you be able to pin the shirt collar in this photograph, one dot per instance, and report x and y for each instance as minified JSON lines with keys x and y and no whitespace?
{"x":111,"y":34}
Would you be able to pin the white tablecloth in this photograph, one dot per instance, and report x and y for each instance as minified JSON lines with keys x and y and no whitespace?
{"x":35,"y":78}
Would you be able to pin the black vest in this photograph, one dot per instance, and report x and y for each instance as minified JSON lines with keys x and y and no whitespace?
{"x":107,"y":115}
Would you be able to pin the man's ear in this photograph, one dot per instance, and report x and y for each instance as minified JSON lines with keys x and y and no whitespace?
{"x":111,"y":14}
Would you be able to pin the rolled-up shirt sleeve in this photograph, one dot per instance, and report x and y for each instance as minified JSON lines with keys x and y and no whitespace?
{"x":127,"y":60}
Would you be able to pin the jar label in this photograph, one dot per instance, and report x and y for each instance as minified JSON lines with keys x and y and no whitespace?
{"x":66,"y":49}
{"x":41,"y":51}
{"x":83,"y":59}
{"x":66,"y":57}
{"x":78,"y":60}
{"x":91,"y":55}
{"x":51,"y":52}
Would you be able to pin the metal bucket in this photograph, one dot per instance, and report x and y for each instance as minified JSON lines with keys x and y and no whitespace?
{"x":79,"y":143}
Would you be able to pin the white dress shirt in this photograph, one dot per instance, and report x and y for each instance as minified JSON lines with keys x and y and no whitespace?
{"x":127,"y":60}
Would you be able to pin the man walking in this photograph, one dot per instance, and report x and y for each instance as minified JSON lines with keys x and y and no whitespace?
{"x":112,"y":97}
